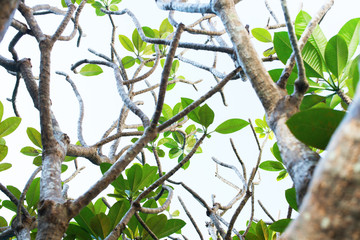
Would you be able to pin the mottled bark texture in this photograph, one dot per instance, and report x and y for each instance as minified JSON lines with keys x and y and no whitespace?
{"x":298,"y":158}
{"x":7,"y":11}
{"x":331,"y":209}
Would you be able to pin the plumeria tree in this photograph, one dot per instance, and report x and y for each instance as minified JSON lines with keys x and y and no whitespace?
{"x":310,"y":103}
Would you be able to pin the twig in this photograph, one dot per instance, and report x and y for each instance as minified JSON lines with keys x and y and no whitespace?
{"x":254,"y":133}
{"x":252,"y":211}
{"x":266,"y":212}
{"x":196,"y":103}
{"x":302,"y":41}
{"x":143,"y":224}
{"x":81,"y":108}
{"x":23,"y":193}
{"x":271,"y":11}
{"x":192,"y":30}
{"x":14,"y":200}
{"x":238,"y":158}
{"x":165,"y":76}
{"x":124,"y":96}
{"x":301,"y":84}
{"x":191,"y":218}
{"x":168,"y":42}
{"x":234,"y":169}
{"x":74,"y":175}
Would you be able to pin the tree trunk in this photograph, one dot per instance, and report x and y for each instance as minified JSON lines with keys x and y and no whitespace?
{"x":7,"y":11}
{"x":331,"y":209}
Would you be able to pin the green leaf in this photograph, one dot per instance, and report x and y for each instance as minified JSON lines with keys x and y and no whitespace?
{"x":260,"y":123}
{"x":120,"y":184}
{"x":171,"y":226}
{"x":3,"y":152}
{"x":231,"y":125}
{"x":157,"y":224}
{"x":148,"y":51}
{"x":134,"y":176}
{"x":317,"y":38}
{"x":283,"y":174}
{"x":271,"y":166}
{"x":148,"y":32}
{"x":126,"y":43}
{"x":269,"y":52}
{"x":9,"y":205}
{"x":9,"y":125}
{"x":168,"y":142}
{"x":174,"y":67}
{"x":175,"y":152}
{"x":84,"y":218}
{"x":100,"y":223}
{"x":312,"y":58}
{"x":276,"y":152}
{"x":310,"y":101}
{"x":149,"y":174}
{"x":99,"y":12}
{"x":261,"y":34}
{"x":139,"y":44}
{"x":115,"y":1}
{"x":77,"y":232}
{"x":16,"y":192}
{"x":282,"y":46}
{"x":178,"y":137}
{"x":206,"y":116}
{"x":336,"y":55}
{"x":167,"y":111}
{"x":33,"y":194}
{"x":262,"y":232}
{"x":34,"y":136}
{"x":312,"y":61}
{"x":97,"y":4}
{"x":280,"y":225}
{"x":1,"y":110}
{"x":3,"y":222}
{"x":315,"y":126}
{"x":165,"y":27}
{"x":63,"y":168}
{"x":29,"y":151}
{"x":117,"y":211}
{"x":5,"y":166}
{"x":113,"y":8}
{"x":191,"y":128}
{"x":128,"y":61}
{"x":350,"y":33}
{"x":177,"y":108}
{"x":290,"y":195}
{"x":194,"y":114}
{"x":37,"y":161}
{"x":90,"y":70}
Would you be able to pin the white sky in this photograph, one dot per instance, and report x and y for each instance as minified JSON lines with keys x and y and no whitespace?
{"x":102,"y":103}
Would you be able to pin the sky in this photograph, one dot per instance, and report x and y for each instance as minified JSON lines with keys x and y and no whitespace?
{"x":102,"y":102}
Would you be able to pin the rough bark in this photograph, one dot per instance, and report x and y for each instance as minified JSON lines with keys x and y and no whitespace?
{"x":331,"y":208}
{"x":7,"y":11}
{"x":298,"y":158}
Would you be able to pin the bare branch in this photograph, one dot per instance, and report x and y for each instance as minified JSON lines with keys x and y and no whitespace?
{"x":266,"y":211}
{"x":195,"y":46}
{"x":191,"y":218}
{"x":196,"y":103}
{"x":23,"y":193}
{"x":165,"y":76}
{"x":301,"y":84}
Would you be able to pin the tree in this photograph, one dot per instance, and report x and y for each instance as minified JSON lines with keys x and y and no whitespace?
{"x":298,"y":104}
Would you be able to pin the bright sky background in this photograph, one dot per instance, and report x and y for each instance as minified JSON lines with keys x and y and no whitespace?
{"x":102,"y":103}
